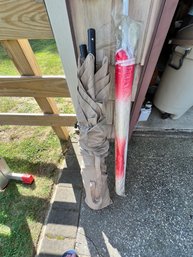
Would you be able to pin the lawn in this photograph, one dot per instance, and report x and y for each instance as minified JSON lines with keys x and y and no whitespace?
{"x":46,"y":55}
{"x":23,"y":208}
{"x":34,"y":150}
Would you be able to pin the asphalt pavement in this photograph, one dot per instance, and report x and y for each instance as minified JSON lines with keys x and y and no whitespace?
{"x":154,"y":219}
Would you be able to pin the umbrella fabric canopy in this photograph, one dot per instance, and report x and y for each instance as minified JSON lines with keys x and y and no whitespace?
{"x":93,"y":91}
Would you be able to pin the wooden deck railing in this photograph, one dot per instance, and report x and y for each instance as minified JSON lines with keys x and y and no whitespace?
{"x":19,"y":21}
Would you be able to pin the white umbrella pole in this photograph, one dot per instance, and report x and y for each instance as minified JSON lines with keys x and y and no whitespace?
{"x":126,"y":7}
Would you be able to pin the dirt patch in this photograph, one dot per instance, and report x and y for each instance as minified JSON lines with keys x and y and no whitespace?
{"x":17,"y":133}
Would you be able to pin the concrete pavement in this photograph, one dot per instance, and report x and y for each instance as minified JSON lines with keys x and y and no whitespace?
{"x":154,"y":219}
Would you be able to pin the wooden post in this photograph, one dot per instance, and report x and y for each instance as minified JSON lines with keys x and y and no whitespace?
{"x":59,"y":20}
{"x":24,"y":59}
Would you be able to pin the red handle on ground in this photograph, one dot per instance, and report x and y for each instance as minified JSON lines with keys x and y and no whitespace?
{"x":27,"y":179}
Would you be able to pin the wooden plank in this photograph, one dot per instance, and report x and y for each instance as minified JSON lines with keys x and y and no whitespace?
{"x":152,"y":17}
{"x":59,"y":19}
{"x":98,"y":14}
{"x":163,"y":23}
{"x":33,"y":86}
{"x":25,"y":119}
{"x":22,"y":56}
{"x":87,"y":14}
{"x":24,"y":59}
{"x":140,"y":11}
{"x":23,"y":19}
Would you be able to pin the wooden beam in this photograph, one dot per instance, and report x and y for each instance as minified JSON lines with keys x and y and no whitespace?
{"x":59,"y":19}
{"x":23,"y":19}
{"x":25,"y":119}
{"x":149,"y":27}
{"x":33,"y":86}
{"x":22,"y":56}
{"x":24,"y":59}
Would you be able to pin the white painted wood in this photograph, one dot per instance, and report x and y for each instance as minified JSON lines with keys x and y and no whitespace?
{"x":59,"y":19}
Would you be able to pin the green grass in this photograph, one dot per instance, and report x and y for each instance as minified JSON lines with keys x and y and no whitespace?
{"x":29,"y":105}
{"x":34,"y":150}
{"x":6,"y":66}
{"x":23,"y":208}
{"x":46,"y":55}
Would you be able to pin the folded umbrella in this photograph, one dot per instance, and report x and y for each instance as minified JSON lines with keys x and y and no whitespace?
{"x":92,"y":91}
{"x":127,"y":35}
{"x":124,"y":74}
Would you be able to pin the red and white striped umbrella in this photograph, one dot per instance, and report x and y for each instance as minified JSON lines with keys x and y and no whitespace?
{"x":124,"y":74}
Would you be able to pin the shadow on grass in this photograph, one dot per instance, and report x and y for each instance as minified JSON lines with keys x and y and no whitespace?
{"x":38,"y":168}
{"x":20,"y":239}
{"x":46,"y":45}
{"x":3,"y":54}
{"x":64,"y":213}
{"x":18,"y":210}
{"x":20,"y":207}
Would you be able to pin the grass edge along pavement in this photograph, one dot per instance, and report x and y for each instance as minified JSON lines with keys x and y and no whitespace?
{"x":60,"y":229}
